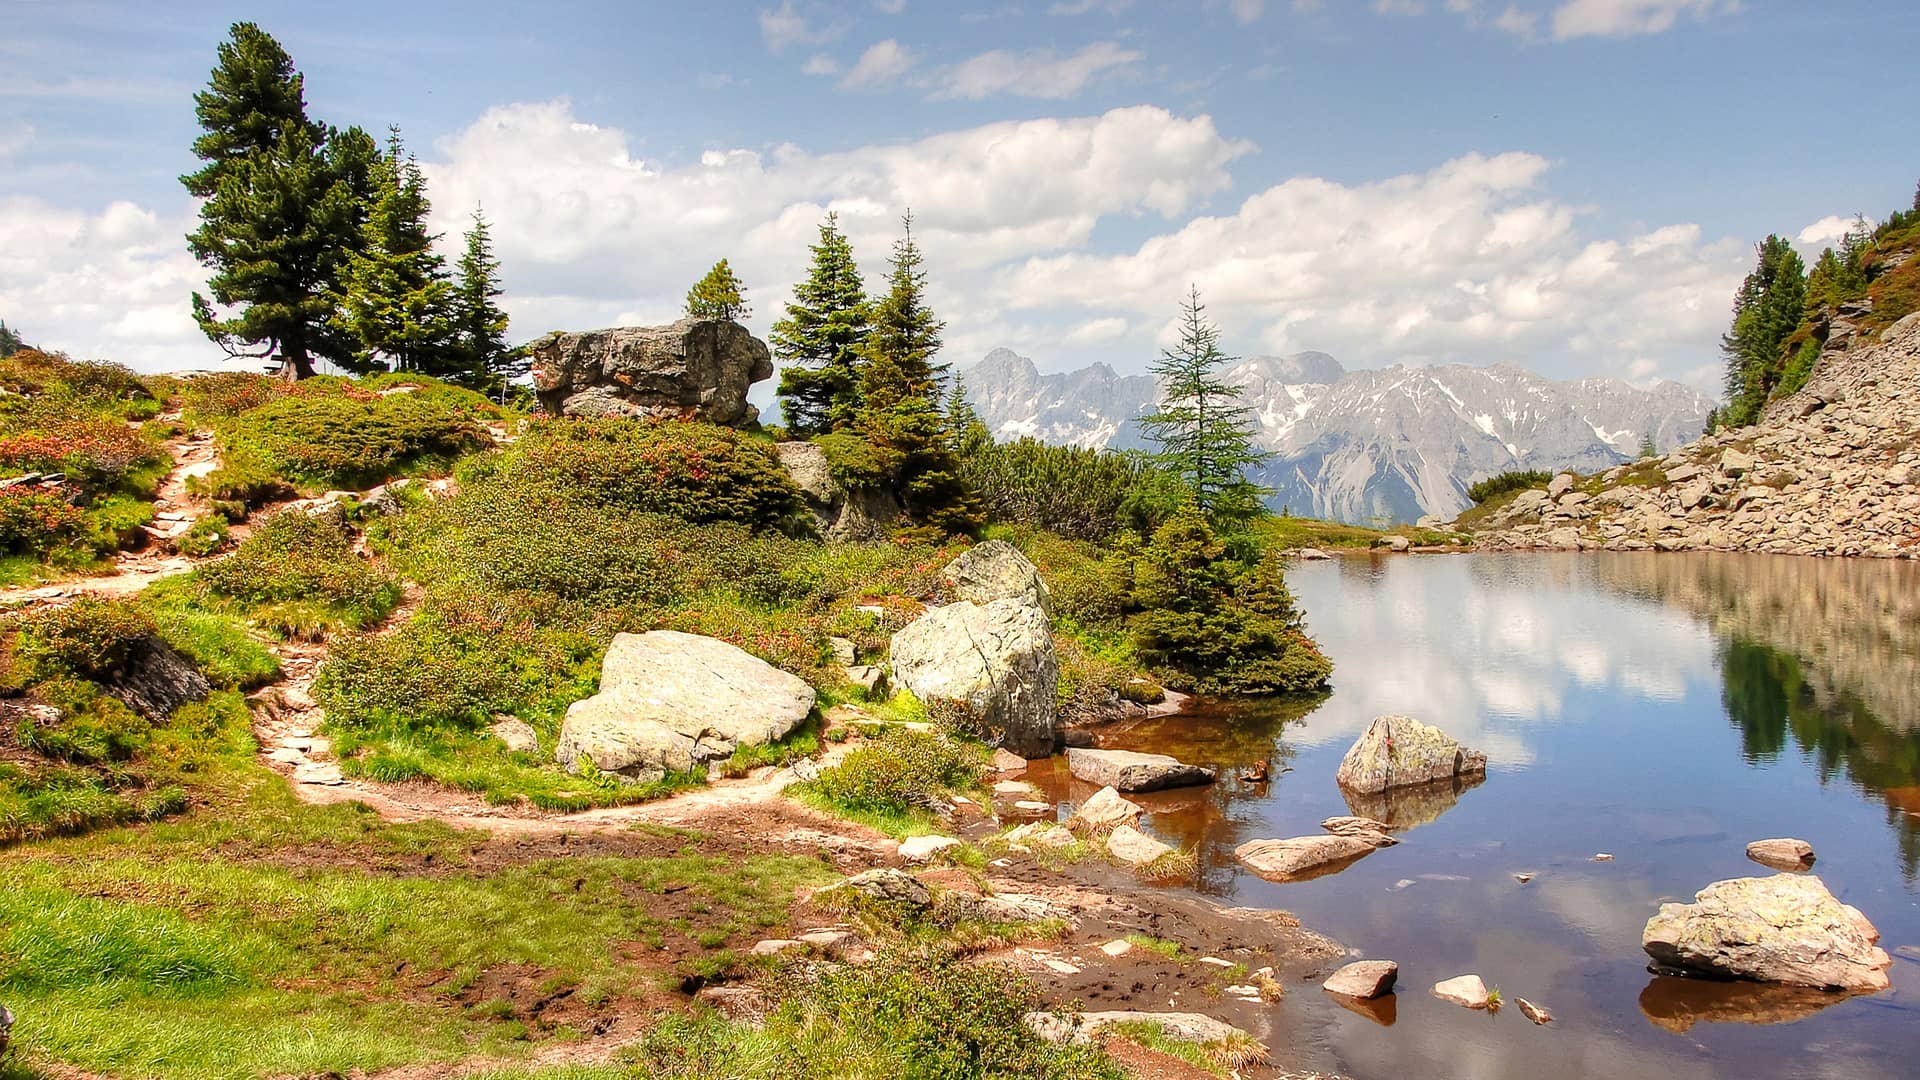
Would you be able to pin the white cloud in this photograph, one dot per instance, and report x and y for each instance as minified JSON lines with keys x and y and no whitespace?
{"x":1095,"y":331}
{"x":1625,"y":18}
{"x":820,"y":64}
{"x":783,"y":27}
{"x":1399,"y":7}
{"x":1466,"y":262}
{"x":1082,"y":7}
{"x":114,"y":285}
{"x":15,"y":139}
{"x":587,"y":231}
{"x":1828,"y":230}
{"x":890,"y":7}
{"x":1035,"y":73}
{"x":880,"y":66}
{"x":1523,"y":24}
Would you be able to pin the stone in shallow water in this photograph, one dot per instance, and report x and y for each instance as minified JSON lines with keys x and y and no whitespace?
{"x":1397,"y":751}
{"x":1363,"y":979}
{"x":1135,"y":848}
{"x":1466,"y":990}
{"x":1104,"y":811}
{"x":1781,"y":853}
{"x":1786,"y":929}
{"x":1301,"y":857}
{"x":1125,"y":770}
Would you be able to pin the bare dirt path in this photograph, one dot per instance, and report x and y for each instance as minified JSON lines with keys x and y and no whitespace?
{"x":193,"y":455}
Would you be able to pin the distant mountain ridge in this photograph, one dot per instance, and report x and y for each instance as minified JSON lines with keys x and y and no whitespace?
{"x":1372,"y":445}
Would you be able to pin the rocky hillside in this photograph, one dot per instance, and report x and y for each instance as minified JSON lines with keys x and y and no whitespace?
{"x":1831,"y":470}
{"x":1370,"y":446}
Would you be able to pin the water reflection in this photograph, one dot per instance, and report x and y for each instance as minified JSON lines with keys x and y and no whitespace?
{"x":1408,"y":807}
{"x":1677,"y":1004}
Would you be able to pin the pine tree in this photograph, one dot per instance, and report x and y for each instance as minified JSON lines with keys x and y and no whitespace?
{"x":899,"y":399}
{"x":395,"y":298}
{"x":281,"y":201}
{"x":10,"y":342}
{"x":479,"y":326}
{"x":1204,"y":432}
{"x":964,"y":426}
{"x":1767,"y":309}
{"x":819,"y":342}
{"x":719,"y":295}
{"x":1647,"y":448}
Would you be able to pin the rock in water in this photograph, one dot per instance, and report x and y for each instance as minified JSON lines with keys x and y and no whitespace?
{"x":1301,"y":857}
{"x":1782,"y":853}
{"x":1784,"y":929}
{"x":669,"y":701}
{"x":684,"y":370}
{"x":1135,"y":848}
{"x":1466,"y":990}
{"x":839,"y":513}
{"x":1363,"y":979}
{"x":995,"y":570}
{"x":1125,"y":770}
{"x":1536,"y":1013}
{"x":1397,"y":751}
{"x":1361,"y":828}
{"x":994,"y":662}
{"x":1103,"y":812}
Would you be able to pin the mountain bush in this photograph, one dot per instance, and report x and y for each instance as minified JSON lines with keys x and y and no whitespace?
{"x":1076,"y":492}
{"x":1500,"y":484}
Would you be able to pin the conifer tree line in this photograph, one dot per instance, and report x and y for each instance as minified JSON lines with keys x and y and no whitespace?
{"x":1781,"y":310}
{"x":317,"y":238}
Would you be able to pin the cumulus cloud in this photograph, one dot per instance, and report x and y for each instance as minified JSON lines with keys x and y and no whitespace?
{"x":113,"y":285}
{"x":1625,"y":18}
{"x":577,"y":215}
{"x":880,"y":66}
{"x":1035,"y":73}
{"x":1466,"y":262}
{"x":1828,"y":230}
{"x":784,"y":27}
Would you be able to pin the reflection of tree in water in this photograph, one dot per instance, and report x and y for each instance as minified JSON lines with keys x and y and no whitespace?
{"x":1229,"y":737}
{"x":1771,"y":696}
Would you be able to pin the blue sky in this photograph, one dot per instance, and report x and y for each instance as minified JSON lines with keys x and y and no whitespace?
{"x":1571,"y":184}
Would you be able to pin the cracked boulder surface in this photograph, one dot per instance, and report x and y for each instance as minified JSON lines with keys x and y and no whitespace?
{"x":992,"y":662}
{"x":669,"y":701}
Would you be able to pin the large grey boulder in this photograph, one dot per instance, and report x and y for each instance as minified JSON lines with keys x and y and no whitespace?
{"x":1396,"y":751}
{"x":1125,"y":770}
{"x":684,"y":370}
{"x":996,"y":570}
{"x":670,"y":701}
{"x":1783,"y":929}
{"x":993,"y":662}
{"x":840,"y":514}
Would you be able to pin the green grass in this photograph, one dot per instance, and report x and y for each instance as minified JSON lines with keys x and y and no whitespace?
{"x":801,"y":742}
{"x":1219,"y":1058}
{"x":892,"y":782}
{"x":1172,"y":950}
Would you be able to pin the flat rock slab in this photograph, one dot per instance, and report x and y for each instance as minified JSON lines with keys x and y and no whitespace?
{"x":1361,"y":828}
{"x":1783,"y":853}
{"x":1782,"y":929}
{"x":1125,"y":770}
{"x":1135,"y":848}
{"x":1399,"y":751}
{"x":1466,"y":990}
{"x":1363,"y":979}
{"x":1301,"y":857}
{"x":919,"y":849}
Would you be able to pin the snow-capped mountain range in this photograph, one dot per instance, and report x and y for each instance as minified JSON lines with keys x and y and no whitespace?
{"x":1370,"y":446}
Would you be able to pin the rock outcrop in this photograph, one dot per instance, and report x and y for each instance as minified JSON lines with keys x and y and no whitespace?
{"x":154,"y":680}
{"x":839,"y":513}
{"x":1363,"y":979}
{"x":994,"y":663}
{"x":684,"y":370}
{"x":670,"y":701}
{"x":1399,"y":751}
{"x":1831,"y":470}
{"x":1125,"y":770}
{"x":1783,"y":929}
{"x":996,"y":570}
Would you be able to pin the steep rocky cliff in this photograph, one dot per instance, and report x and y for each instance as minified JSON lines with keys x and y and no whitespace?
{"x":1831,"y":470}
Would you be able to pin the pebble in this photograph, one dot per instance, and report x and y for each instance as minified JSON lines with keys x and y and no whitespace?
{"x":1117,"y":947}
{"x":1603,"y":857}
{"x":1061,"y":967}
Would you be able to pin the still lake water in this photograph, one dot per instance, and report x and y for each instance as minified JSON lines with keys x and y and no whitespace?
{"x":1665,"y":709}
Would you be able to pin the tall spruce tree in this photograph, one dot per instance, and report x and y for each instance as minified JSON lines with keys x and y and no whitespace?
{"x":1204,"y":431}
{"x":900,"y":399}
{"x":1768,"y":308}
{"x":479,"y":326}
{"x":10,"y":342}
{"x":719,"y":295}
{"x":394,"y":296}
{"x":819,"y":342}
{"x":282,"y":196}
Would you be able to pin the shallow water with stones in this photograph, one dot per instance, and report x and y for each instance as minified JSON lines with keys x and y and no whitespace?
{"x":1664,"y":709}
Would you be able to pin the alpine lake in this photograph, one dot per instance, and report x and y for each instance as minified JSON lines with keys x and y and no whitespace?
{"x":1661,"y":709}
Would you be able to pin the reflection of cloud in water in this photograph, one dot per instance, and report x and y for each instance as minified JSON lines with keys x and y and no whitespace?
{"x":1468,"y":643}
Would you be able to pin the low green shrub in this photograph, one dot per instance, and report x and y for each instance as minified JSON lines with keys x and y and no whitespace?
{"x":92,"y":727}
{"x":1517,"y":480}
{"x":206,"y":536}
{"x":87,"y":639}
{"x":1074,"y":492}
{"x":298,"y":573}
{"x":693,"y":471}
{"x":904,"y":771}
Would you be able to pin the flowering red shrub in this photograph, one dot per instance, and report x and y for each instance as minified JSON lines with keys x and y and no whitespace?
{"x":33,"y":521}
{"x":95,"y":451}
